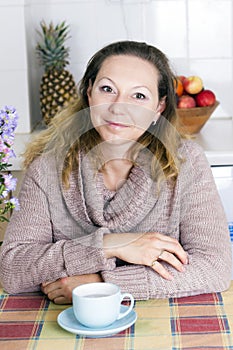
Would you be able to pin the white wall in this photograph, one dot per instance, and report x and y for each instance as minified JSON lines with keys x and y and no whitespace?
{"x":196,"y":35}
{"x":13,"y":60}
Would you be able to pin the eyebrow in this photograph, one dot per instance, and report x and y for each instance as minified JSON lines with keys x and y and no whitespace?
{"x":106,"y":79}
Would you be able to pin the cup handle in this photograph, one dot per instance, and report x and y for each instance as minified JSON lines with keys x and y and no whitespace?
{"x":123,"y":296}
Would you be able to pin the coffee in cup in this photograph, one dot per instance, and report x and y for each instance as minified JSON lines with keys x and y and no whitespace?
{"x":98,"y":305}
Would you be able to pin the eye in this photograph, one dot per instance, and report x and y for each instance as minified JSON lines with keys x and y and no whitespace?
{"x":106,"y":88}
{"x":139,"y":96}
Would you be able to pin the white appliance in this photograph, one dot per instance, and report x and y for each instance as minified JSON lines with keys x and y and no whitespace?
{"x":223,"y":176}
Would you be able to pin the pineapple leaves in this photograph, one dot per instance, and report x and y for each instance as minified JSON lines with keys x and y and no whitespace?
{"x":51,"y":50}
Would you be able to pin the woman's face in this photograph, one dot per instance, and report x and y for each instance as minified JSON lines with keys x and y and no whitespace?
{"x":124,"y":98}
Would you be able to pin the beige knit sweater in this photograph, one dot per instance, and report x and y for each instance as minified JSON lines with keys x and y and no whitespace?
{"x":59,"y":232}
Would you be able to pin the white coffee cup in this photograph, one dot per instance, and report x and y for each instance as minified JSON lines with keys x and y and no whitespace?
{"x":97,"y":305}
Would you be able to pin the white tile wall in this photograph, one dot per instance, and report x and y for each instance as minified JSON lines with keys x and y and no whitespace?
{"x":197,"y":36}
{"x":13,"y":61}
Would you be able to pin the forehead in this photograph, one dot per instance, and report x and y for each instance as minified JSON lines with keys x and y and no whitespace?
{"x":128,"y":66}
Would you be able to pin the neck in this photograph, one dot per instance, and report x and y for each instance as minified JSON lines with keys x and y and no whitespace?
{"x":115,"y":173}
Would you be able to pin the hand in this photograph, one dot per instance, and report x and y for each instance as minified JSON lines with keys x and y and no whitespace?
{"x":145,"y":249}
{"x":60,"y":291}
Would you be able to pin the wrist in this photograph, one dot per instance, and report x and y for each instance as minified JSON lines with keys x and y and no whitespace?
{"x":110,"y":245}
{"x":114,"y":244}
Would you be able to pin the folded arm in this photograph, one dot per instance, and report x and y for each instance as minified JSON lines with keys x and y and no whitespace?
{"x":36,"y":251}
{"x":203,"y":235}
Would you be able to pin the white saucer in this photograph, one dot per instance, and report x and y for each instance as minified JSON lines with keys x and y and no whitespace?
{"x":67,"y":321}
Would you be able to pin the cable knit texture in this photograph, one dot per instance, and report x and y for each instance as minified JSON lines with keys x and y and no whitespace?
{"x":59,"y":232}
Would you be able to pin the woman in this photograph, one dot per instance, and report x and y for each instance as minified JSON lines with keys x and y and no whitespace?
{"x":113,"y":193}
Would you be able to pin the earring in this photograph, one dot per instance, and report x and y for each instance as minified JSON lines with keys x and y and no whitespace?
{"x":154,"y":122}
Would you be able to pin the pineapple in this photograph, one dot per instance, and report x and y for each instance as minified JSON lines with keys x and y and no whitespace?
{"x":57,"y":85}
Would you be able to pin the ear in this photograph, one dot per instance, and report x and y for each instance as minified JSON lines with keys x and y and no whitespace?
{"x":162,"y":105}
{"x":89,"y":90}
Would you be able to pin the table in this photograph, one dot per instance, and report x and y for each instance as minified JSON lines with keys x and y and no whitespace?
{"x":28,"y":322}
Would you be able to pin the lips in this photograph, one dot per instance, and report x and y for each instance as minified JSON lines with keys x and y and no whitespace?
{"x":116,"y":125}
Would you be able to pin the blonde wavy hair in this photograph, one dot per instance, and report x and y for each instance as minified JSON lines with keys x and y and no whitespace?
{"x":71,"y":131}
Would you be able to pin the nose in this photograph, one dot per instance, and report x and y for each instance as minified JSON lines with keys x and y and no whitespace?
{"x":118,"y":106}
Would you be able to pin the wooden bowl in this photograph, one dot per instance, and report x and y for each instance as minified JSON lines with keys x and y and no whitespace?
{"x":192,"y":120}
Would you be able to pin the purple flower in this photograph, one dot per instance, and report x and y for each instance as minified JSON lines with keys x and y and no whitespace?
{"x":4,"y":194}
{"x":8,"y":123}
{"x":9,"y":182}
{"x":15,"y":203}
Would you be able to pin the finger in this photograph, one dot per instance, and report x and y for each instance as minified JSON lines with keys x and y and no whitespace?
{"x":62,"y":300}
{"x":176,"y":249}
{"x":164,"y":242}
{"x":51,"y":287}
{"x":57,"y":293}
{"x":44,"y":284}
{"x":172,"y":260}
{"x":160,"y":269}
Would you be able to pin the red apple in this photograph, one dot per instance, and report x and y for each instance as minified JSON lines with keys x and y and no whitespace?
{"x":205,"y":98}
{"x":193,"y":84}
{"x":181,"y":77}
{"x":186,"y":101}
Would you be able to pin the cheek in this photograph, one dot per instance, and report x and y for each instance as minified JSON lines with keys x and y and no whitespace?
{"x":96,"y":101}
{"x":98,"y":113}
{"x":143,"y":117}
{"x":92,"y":96}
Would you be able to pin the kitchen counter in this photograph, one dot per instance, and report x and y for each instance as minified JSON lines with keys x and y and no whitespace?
{"x":216,"y":138}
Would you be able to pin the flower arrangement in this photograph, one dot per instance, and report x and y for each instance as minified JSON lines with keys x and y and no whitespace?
{"x":8,"y":123}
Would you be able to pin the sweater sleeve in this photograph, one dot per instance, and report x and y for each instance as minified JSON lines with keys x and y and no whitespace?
{"x":203,"y":233}
{"x":31,"y":254}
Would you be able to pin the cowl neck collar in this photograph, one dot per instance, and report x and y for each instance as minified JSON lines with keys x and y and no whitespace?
{"x":125,"y":209}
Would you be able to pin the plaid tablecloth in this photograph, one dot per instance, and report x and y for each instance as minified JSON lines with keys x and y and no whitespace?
{"x":28,"y":322}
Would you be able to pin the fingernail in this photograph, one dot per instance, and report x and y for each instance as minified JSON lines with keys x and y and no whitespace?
{"x":170,"y":277}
